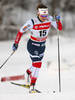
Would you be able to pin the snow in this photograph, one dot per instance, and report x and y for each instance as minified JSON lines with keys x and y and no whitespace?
{"x":48,"y":76}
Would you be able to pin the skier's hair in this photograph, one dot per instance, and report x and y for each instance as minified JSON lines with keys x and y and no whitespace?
{"x":41,"y":6}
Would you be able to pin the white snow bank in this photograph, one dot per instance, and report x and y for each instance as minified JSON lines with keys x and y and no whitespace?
{"x":48,"y":76}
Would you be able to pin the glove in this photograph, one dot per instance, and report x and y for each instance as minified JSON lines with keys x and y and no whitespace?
{"x":15,"y":46}
{"x":57,"y":17}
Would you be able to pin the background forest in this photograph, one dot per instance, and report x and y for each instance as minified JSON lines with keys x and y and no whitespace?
{"x":14,"y":13}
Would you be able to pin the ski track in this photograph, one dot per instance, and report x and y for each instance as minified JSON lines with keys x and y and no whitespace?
{"x":48,"y":76}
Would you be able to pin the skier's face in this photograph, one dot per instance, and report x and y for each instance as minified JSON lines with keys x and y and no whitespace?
{"x":43,"y":17}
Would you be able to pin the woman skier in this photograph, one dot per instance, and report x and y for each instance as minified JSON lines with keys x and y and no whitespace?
{"x":39,"y":28}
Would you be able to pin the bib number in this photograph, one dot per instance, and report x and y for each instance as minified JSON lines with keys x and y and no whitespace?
{"x":43,"y":33}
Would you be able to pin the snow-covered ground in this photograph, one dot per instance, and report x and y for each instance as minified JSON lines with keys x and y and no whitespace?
{"x":48,"y":77}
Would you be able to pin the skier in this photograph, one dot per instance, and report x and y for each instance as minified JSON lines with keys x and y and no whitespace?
{"x":39,"y":28}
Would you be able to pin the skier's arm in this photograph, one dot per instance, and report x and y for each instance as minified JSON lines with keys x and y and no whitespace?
{"x":24,"y":28}
{"x":54,"y":23}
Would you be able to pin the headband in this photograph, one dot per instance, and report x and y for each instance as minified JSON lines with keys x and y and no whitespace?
{"x":42,"y":11}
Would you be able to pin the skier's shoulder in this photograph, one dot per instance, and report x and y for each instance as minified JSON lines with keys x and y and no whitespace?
{"x":34,"y":20}
{"x":30,"y":21}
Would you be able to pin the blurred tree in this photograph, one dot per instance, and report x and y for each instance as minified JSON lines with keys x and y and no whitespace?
{"x":12,"y":13}
{"x":1,"y":19}
{"x":67,"y":6}
{"x":23,"y":4}
{"x":39,"y":1}
{"x":53,"y":6}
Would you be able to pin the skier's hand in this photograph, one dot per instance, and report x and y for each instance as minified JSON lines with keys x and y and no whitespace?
{"x":57,"y":17}
{"x":15,"y":46}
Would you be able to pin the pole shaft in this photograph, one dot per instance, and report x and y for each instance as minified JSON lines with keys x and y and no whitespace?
{"x":6,"y":60}
{"x":59,"y":59}
{"x":59,"y":67}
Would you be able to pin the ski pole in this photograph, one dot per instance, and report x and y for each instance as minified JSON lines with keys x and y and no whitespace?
{"x":7,"y":60}
{"x":58,"y":59}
